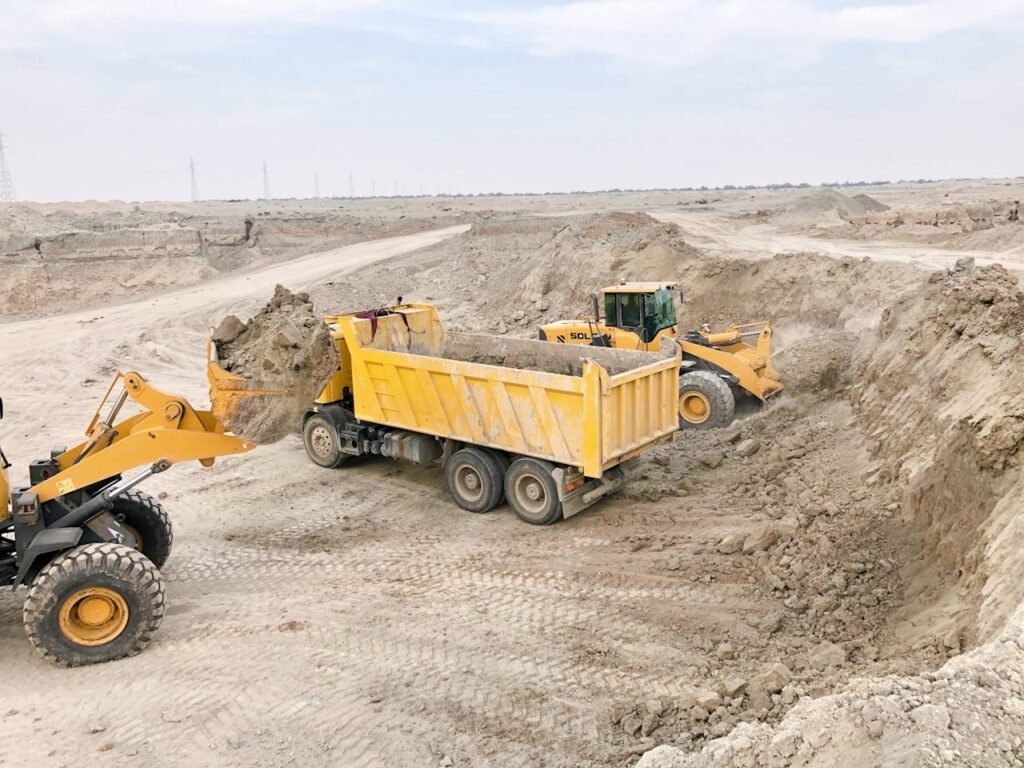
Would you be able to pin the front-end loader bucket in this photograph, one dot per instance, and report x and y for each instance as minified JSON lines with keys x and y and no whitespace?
{"x":244,"y":405}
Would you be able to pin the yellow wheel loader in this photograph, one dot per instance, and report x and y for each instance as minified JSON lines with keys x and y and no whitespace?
{"x":716,"y":367}
{"x":86,"y":543}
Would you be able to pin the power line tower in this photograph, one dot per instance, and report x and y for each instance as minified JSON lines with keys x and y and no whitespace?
{"x":266,"y":182}
{"x":316,"y":184}
{"x":7,"y":193}
{"x":195,"y":184}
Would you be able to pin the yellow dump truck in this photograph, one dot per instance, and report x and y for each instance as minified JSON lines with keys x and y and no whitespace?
{"x":546,"y":426}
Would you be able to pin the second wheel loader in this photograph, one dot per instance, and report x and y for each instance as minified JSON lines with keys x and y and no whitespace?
{"x":86,"y":543}
{"x":716,"y":366}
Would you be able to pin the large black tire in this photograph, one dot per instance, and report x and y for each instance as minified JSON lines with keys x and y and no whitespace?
{"x":705,"y":401}
{"x":320,"y":438}
{"x":145,"y":517}
{"x":475,"y":479}
{"x":532,"y":492}
{"x":94,"y":603}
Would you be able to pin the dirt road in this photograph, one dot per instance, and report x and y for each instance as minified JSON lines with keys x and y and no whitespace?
{"x":725,"y":234}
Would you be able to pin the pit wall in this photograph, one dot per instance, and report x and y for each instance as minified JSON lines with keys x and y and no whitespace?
{"x":936,"y":389}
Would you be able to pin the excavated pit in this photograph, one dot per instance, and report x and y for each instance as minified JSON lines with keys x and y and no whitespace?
{"x":867,"y":514}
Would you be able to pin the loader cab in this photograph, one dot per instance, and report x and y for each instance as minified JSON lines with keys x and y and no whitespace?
{"x":645,"y":309}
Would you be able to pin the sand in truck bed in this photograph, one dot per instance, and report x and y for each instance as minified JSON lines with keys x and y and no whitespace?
{"x":286,"y":346}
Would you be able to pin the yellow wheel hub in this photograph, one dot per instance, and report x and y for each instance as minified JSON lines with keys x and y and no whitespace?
{"x":93,"y":616}
{"x":694,"y":407}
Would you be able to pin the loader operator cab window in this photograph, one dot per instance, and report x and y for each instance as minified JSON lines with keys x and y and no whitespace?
{"x":646,"y":314}
{"x":659,"y":313}
{"x":630,"y":310}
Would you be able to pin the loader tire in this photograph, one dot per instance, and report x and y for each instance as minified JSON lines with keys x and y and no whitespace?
{"x":532,"y":492}
{"x":705,"y":401}
{"x":145,"y":517}
{"x":320,"y":438}
{"x":94,"y":603}
{"x":475,"y":479}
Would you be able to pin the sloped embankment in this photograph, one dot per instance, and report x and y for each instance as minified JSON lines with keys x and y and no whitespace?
{"x":937,"y":390}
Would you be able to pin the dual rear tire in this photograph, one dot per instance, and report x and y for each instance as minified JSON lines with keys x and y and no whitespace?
{"x":479,"y":480}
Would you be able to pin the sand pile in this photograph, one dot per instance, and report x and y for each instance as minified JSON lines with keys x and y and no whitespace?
{"x":936,"y":392}
{"x":827,"y":208}
{"x":284,"y":347}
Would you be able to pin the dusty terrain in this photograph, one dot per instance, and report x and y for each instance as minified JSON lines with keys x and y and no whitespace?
{"x":845,"y":593}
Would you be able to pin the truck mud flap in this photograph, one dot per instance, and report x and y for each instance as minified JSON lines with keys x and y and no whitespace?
{"x":588,"y":492}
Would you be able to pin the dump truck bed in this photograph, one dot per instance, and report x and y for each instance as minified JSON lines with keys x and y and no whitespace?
{"x":590,"y":408}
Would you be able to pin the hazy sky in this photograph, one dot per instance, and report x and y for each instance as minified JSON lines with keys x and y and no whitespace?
{"x":109,"y":98}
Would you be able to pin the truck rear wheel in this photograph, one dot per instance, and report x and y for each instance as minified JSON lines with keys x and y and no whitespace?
{"x":320,"y":438}
{"x":532,"y":491}
{"x":94,"y":603}
{"x":144,"y":516}
{"x":475,"y":479}
{"x":705,"y":401}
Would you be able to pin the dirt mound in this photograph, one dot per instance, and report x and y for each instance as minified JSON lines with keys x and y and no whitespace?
{"x":843,"y":294}
{"x":509,"y":276}
{"x":284,"y":347}
{"x":869,"y":203}
{"x":969,"y":712}
{"x":826,"y":208}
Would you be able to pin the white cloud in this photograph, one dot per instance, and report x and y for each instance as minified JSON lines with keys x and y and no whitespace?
{"x":238,"y":12}
{"x":25,"y":25}
{"x":676,"y":33}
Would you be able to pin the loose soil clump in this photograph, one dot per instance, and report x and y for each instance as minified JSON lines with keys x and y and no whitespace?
{"x":285,"y":347}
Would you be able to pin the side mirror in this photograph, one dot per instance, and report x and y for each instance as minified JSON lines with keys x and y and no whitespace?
{"x":682,"y":296}
{"x":1,"y":407}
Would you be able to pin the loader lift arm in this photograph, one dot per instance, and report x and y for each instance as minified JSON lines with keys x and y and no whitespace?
{"x":168,"y":430}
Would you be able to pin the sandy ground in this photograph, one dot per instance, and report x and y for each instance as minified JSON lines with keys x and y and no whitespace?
{"x":357,"y":617}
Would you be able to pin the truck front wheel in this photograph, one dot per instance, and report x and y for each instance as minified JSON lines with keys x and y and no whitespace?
{"x":532,"y":491}
{"x":94,"y":603}
{"x":320,"y":438}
